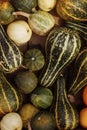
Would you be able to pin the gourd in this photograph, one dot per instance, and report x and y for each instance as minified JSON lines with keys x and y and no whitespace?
{"x":34,"y":59}
{"x":43,"y":121}
{"x":6,"y":12}
{"x":10,"y":55}
{"x":40,"y":22}
{"x":80,"y":27}
{"x":10,"y":98}
{"x":25,"y":6}
{"x":42,"y":97}
{"x":66,"y":115}
{"x":71,"y":10}
{"x":79,"y":77}
{"x":46,"y":5}
{"x":26,"y":81}
{"x":11,"y":121}
{"x":61,"y":47}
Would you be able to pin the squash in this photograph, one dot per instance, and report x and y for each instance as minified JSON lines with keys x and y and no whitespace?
{"x":10,"y":55}
{"x":43,"y":121}
{"x":72,"y":10}
{"x":79,"y":77}
{"x":26,"y":81}
{"x":25,"y":6}
{"x":61,"y":47}
{"x":66,"y":115}
{"x":80,"y":27}
{"x":6,"y":12}
{"x":34,"y":59}
{"x":42,"y":97}
{"x":10,"y":98}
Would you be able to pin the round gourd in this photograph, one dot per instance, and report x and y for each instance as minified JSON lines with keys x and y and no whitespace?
{"x":42,"y":97}
{"x":26,"y":81}
{"x":72,"y":10}
{"x":34,"y":59}
{"x":43,"y":121}
{"x":24,"y":5}
{"x":6,"y":10}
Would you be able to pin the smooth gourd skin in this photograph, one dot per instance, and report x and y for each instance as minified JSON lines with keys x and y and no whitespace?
{"x":6,"y":10}
{"x":79,"y":77}
{"x":66,"y":115}
{"x":24,"y":5}
{"x":61,"y":47}
{"x":10,"y":55}
{"x":72,"y":10}
{"x":10,"y":98}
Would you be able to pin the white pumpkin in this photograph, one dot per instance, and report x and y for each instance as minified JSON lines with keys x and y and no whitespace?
{"x":19,"y":31}
{"x":11,"y":121}
{"x":46,"y":5}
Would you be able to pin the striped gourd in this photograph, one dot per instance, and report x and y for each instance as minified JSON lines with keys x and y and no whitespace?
{"x":72,"y":10}
{"x":62,"y":46}
{"x":10,"y":55}
{"x":66,"y":115}
{"x":80,"y":27}
{"x":79,"y":78}
{"x":10,"y":99}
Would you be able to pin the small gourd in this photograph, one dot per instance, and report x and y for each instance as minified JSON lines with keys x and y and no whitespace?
{"x":24,"y":5}
{"x":72,"y":10}
{"x":61,"y":47}
{"x":10,"y":98}
{"x":34,"y":59}
{"x":43,"y":121}
{"x":6,"y":12}
{"x":26,"y":81}
{"x":79,"y":77}
{"x":66,"y":115}
{"x":42,"y":97}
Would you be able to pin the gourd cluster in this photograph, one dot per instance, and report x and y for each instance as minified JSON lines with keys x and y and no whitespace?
{"x":43,"y":63}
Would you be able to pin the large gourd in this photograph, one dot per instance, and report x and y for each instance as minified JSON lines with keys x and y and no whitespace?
{"x":72,"y":10}
{"x":10,"y":55}
{"x":79,"y":77}
{"x":61,"y":47}
{"x":10,"y":98}
{"x":66,"y":115}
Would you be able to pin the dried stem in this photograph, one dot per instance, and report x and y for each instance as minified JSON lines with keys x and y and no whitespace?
{"x":21,"y":14}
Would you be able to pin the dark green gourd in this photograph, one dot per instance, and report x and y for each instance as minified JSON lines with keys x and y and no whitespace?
{"x":80,"y":27}
{"x":61,"y":47}
{"x":79,"y":78}
{"x":10,"y":98}
{"x":10,"y":55}
{"x":66,"y":115}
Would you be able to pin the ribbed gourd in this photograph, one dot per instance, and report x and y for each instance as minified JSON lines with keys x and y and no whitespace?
{"x":66,"y":115}
{"x":72,"y":10}
{"x":79,"y":77}
{"x":81,"y":27}
{"x":61,"y":47}
{"x":10,"y":55}
{"x":10,"y":98}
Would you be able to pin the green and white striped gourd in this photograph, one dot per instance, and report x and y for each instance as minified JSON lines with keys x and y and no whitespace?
{"x":61,"y":47}
{"x":66,"y":115}
{"x":10,"y":55}
{"x":79,"y":78}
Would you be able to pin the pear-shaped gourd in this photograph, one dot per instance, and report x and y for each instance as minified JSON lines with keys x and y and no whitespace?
{"x":79,"y":78}
{"x":10,"y":98}
{"x":66,"y":115}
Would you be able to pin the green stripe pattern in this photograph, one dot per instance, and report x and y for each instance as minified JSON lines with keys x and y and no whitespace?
{"x":66,"y":114}
{"x":9,"y":97}
{"x":10,"y":55}
{"x":79,"y":74}
{"x":62,"y":46}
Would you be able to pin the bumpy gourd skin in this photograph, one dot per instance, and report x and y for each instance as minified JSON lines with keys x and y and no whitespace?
{"x":6,"y":12}
{"x":72,"y":10}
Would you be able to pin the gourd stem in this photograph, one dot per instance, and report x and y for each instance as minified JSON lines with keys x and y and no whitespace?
{"x":21,"y":13}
